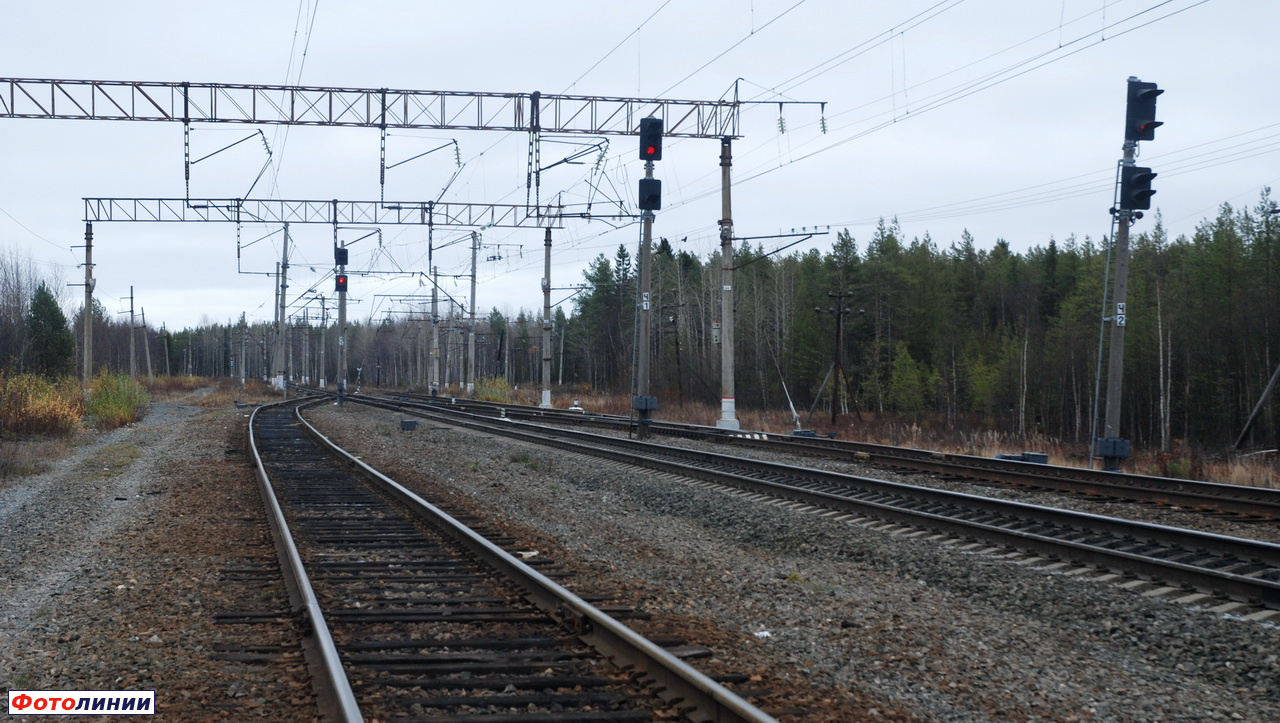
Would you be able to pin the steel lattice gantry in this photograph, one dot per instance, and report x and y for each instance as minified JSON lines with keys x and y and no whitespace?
{"x":360,"y":107}
{"x":341,"y":213}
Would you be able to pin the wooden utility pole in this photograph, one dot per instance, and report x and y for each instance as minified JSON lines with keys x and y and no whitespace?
{"x":839,"y":312}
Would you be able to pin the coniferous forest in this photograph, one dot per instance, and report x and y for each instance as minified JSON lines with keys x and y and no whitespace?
{"x":971,"y":337}
{"x":965,"y":333}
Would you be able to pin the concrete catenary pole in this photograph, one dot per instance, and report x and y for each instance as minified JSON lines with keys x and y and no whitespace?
{"x":471,"y":327}
{"x":546,"y":323}
{"x":324,"y":323}
{"x":146,"y":345}
{"x":433,"y":349}
{"x":728,"y":412}
{"x":279,"y":363}
{"x":86,"y":317}
{"x":133,"y":344}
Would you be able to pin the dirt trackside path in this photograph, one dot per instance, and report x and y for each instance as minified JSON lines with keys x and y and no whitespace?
{"x":116,"y":562}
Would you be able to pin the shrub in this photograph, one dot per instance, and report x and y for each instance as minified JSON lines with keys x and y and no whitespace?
{"x":493,"y":389}
{"x":115,"y":401}
{"x":30,"y":404}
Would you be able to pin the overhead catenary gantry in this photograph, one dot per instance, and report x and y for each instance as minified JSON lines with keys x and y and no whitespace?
{"x":334,"y":212}
{"x":360,"y":107}
{"x":381,"y":108}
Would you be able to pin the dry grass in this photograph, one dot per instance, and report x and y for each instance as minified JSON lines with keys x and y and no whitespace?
{"x":1180,"y":463}
{"x":211,"y":392}
{"x":31,"y":404}
{"x":110,"y":461}
{"x":32,"y":456}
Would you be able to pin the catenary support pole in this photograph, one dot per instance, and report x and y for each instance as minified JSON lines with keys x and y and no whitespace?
{"x":133,"y":344}
{"x":471,"y":325}
{"x":278,"y":362}
{"x":146,"y":345}
{"x":433,"y":349}
{"x":86,"y":317}
{"x":546,"y":323}
{"x":324,"y":324}
{"x":728,"y":411}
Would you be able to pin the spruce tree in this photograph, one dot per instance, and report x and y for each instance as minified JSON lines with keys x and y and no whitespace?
{"x":50,"y":347}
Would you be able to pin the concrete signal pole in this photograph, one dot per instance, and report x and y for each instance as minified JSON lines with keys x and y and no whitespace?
{"x":645,"y":403}
{"x":342,"y":329}
{"x":650,"y":200}
{"x":1135,"y":196}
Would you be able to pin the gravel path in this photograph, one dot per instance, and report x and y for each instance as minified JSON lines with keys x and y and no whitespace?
{"x":887,"y":626}
{"x":119,"y":559}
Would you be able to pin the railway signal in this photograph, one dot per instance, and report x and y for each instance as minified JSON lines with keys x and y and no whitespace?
{"x":651,"y":139}
{"x":1140,"y":114}
{"x":650,"y":194}
{"x":340,"y":283}
{"x":1135,"y":188}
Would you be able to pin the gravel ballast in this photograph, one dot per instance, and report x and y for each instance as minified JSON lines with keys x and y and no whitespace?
{"x":887,"y":625}
{"x":119,"y":562}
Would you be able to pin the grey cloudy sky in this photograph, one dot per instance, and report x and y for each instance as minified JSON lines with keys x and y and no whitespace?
{"x":1001,"y":117}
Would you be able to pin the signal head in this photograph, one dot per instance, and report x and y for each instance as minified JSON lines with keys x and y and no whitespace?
{"x":1140,"y":112}
{"x":651,"y":139}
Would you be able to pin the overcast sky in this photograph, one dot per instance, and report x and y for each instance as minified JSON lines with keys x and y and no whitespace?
{"x":1001,"y":117}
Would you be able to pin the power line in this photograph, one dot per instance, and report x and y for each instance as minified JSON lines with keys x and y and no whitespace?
{"x":722,"y":53}
{"x":619,"y":45}
{"x":944,"y":98}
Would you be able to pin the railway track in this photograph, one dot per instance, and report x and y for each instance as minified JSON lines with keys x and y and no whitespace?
{"x":1242,"y":570}
{"x":1236,"y":501}
{"x":408,"y":612}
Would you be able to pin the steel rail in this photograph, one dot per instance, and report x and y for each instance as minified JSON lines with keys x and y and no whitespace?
{"x":676,"y":680}
{"x":333,"y":685}
{"x":1006,"y":522}
{"x":1257,"y":503}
